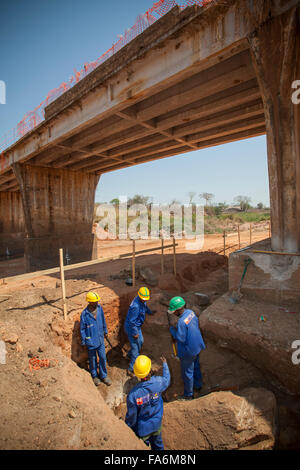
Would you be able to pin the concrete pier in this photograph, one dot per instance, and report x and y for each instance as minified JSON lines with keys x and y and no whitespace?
{"x":12,"y":227}
{"x":59,"y":209}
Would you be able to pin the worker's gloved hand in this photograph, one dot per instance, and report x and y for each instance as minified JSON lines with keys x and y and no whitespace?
{"x":136,"y":336}
{"x":163,"y":359}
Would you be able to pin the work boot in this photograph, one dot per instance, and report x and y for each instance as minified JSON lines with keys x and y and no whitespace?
{"x":97,"y":381}
{"x":130,"y":373}
{"x":184,"y":398}
{"x":107,"y":381}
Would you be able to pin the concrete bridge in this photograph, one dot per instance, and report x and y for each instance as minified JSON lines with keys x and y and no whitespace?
{"x":194,"y":79}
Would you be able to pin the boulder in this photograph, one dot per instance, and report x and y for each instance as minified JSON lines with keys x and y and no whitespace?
{"x":196,"y":298}
{"x":222,"y":421}
{"x":148,"y":276}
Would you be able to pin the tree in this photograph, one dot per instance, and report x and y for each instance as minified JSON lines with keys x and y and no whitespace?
{"x":220,"y":207}
{"x":138,"y":199}
{"x":207,"y":196}
{"x":243,"y":201}
{"x":260,"y":205}
{"x":191,"y":195}
{"x":115,"y":201}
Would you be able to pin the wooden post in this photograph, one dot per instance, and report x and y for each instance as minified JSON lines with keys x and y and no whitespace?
{"x":269,"y":229}
{"x":133,"y":263}
{"x":250,"y":234}
{"x":63,"y":286}
{"x":174,"y":257}
{"x":239,"y":237}
{"x":224,"y":236}
{"x":162,"y":267}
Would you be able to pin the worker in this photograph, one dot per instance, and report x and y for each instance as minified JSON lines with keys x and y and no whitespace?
{"x":145,"y":404}
{"x":133,"y":325}
{"x":189,"y":344}
{"x":93,"y":329}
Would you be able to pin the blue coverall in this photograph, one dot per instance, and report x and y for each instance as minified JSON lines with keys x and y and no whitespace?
{"x":189,"y":344}
{"x":145,"y":408}
{"x":133,"y":326}
{"x":92,"y":335}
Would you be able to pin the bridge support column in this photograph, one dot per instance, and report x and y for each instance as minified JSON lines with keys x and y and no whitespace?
{"x":58,"y":210}
{"x":275,"y":48}
{"x":12,"y":230}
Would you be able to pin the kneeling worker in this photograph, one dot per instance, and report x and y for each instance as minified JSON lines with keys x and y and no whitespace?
{"x":189,"y":343}
{"x":133,"y":325}
{"x":145,"y":403}
{"x":93,"y":329}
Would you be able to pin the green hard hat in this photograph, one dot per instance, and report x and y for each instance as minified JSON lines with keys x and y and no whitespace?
{"x":175,"y":304}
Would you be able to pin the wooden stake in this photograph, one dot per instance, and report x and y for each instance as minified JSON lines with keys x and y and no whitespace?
{"x":239,"y":237}
{"x":250,"y":234}
{"x":162,"y":267}
{"x":224,"y":236}
{"x":269,"y":229}
{"x":133,"y":263}
{"x":63,"y":286}
{"x":174,"y":256}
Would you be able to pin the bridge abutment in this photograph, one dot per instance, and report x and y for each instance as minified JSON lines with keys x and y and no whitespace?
{"x":58,"y":212}
{"x":12,"y":229}
{"x":273,"y":276}
{"x":275,"y":47}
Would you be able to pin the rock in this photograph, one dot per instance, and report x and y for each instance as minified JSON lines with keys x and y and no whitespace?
{"x":72,"y":414}
{"x":148,"y":276}
{"x":195,"y":298}
{"x":223,"y":420}
{"x":19,"y":347}
{"x":11,"y":338}
{"x":57,"y":398}
{"x":203,"y":299}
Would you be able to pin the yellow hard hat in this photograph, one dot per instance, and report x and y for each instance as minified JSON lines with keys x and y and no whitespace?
{"x":142,"y":366}
{"x":92,"y":297}
{"x":144,"y":293}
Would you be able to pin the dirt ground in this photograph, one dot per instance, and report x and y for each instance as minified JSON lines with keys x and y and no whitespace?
{"x":57,"y":405}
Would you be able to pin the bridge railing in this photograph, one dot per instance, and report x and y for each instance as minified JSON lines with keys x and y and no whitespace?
{"x":37,"y":115}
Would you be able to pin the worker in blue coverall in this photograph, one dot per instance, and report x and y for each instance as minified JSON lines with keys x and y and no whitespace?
{"x":189,"y":344}
{"x":93,"y":329}
{"x":133,"y":325}
{"x":145,"y":404}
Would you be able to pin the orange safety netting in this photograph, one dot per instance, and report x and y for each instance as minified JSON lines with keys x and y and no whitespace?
{"x":35,"y":117}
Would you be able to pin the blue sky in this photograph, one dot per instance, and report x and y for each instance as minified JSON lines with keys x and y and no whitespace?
{"x":43,"y":41}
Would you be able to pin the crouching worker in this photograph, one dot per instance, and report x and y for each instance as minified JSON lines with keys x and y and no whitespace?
{"x":145,"y":403}
{"x":93,"y":329}
{"x":133,"y":325}
{"x":190,"y":343}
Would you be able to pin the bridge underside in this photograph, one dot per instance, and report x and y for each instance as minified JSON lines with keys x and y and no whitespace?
{"x":215,"y":106}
